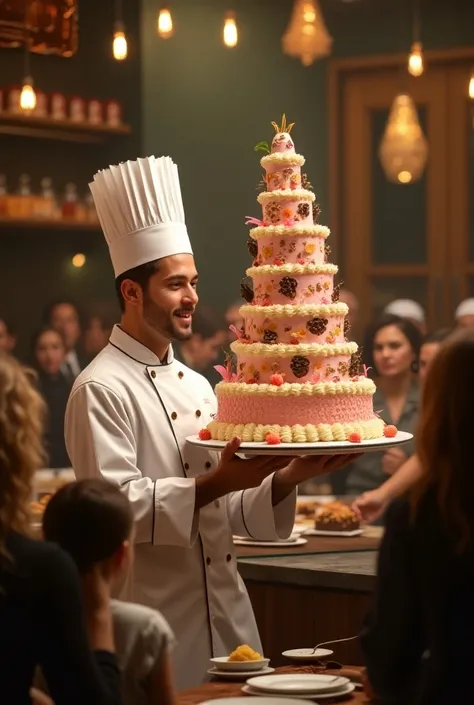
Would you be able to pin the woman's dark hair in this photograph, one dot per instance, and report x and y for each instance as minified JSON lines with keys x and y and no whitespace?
{"x":141,"y":275}
{"x":437,"y":336}
{"x":90,"y":519}
{"x":409,"y":330}
{"x":48,"y":311}
{"x":41,"y":331}
{"x":443,"y":439}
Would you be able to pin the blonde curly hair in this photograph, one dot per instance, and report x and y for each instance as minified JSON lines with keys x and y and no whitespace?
{"x":22,"y":413}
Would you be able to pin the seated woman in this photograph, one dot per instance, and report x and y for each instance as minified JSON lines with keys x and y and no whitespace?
{"x":42,"y":615}
{"x":393,"y":350}
{"x":92,"y":520}
{"x":418,"y":636}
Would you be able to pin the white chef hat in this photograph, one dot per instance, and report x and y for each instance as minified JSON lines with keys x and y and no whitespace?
{"x":406,"y":308}
{"x":141,"y":212}
{"x":465,"y":308}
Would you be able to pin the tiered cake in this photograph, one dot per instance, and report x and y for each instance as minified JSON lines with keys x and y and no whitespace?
{"x":297,"y":378}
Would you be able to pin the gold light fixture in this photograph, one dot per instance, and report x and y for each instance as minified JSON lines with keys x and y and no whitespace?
{"x":27,"y":95}
{"x":164,"y":25}
{"x":306,"y":37}
{"x":230,"y":32}
{"x":471,"y":86}
{"x":119,"y":44}
{"x":404,"y":149}
{"x":415,"y":60}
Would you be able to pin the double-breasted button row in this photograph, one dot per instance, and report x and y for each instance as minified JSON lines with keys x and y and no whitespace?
{"x":228,"y":559}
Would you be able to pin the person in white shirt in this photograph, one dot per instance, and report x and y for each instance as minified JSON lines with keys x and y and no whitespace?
{"x":131,"y":411}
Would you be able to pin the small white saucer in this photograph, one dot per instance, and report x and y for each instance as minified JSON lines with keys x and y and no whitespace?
{"x":307,"y":654}
{"x":248,"y":690}
{"x":239,"y":675}
{"x":270,"y":544}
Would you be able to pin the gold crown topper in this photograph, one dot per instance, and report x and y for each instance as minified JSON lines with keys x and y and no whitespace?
{"x":283,"y":127}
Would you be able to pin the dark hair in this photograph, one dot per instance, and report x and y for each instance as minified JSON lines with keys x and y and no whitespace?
{"x":443,"y":439}
{"x":90,"y":519}
{"x":409,"y":330}
{"x":141,"y":275}
{"x":207,"y":322}
{"x":41,"y":331}
{"x":437,"y":336}
{"x":8,"y":324}
{"x":48,"y":311}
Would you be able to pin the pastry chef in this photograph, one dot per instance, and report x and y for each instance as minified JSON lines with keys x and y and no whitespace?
{"x":131,"y":410}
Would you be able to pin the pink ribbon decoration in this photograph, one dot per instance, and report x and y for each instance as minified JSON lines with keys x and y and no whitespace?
{"x":250,"y":220}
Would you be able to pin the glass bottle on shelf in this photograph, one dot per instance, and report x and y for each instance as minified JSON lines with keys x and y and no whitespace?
{"x":26,"y":200}
{"x":69,"y":204}
{"x":3,"y":196}
{"x":90,"y":208}
{"x":47,"y":206}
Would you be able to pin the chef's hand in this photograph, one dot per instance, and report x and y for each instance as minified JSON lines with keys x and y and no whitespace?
{"x":304,"y":468}
{"x":233,"y":473}
{"x":393,"y":459}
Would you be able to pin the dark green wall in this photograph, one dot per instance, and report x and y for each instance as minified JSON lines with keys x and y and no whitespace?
{"x":35,"y":265}
{"x":206,"y":105}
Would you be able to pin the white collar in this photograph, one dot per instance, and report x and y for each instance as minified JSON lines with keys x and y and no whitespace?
{"x":136,"y":350}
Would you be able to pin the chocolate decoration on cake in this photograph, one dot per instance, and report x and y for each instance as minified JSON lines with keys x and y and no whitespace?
{"x":317,"y":326}
{"x":327,"y":252}
{"x":288,"y":287}
{"x":336,"y":292}
{"x":252,"y":246}
{"x":246,"y":291}
{"x":303,"y":210}
{"x":306,"y":183}
{"x":347,"y":326}
{"x":316,"y":212}
{"x":355,"y":363}
{"x":299,"y":366}
{"x":272,"y":211}
{"x":269,"y":336}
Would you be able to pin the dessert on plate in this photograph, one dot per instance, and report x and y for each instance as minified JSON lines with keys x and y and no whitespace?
{"x":336,"y":516}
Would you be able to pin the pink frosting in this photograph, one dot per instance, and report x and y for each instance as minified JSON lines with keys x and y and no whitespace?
{"x":258,"y":368}
{"x":310,"y":289}
{"x":280,"y":177}
{"x":289,"y":329}
{"x":289,"y":411}
{"x":281,"y":212}
{"x":294,"y":250}
{"x":282,"y":142}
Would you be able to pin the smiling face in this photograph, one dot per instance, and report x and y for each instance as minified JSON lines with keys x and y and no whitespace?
{"x":166,"y":305}
{"x":393,"y":354}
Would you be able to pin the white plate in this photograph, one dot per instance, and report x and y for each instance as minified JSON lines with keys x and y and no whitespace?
{"x":307,"y":654}
{"x":299,"y":683}
{"x":270,"y":544}
{"x":319,"y":532}
{"x":238,"y":675}
{"x":223,"y":664}
{"x":293,"y":537}
{"x":248,"y":690}
{"x":267,"y":700}
{"x":321,"y":448}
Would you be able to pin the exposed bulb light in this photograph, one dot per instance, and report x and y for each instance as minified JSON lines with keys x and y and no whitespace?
{"x":230,"y":33}
{"x":28,"y":95}
{"x":164,"y":25}
{"x":119,"y":46}
{"x":415,"y":60}
{"x":405,"y":177}
{"x":78,"y":260}
{"x":471,"y":86}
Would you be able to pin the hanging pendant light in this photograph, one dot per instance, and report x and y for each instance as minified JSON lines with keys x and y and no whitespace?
{"x":230,"y":34}
{"x":404,"y":149}
{"x":306,"y":37}
{"x":119,"y":44}
{"x":416,"y":64}
{"x":164,"y":25}
{"x":27,"y":95}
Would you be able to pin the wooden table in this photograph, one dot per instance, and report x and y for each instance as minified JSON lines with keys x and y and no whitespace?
{"x":315,"y":544}
{"x":226,"y":689}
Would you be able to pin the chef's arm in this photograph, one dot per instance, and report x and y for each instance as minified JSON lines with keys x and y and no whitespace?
{"x":100,"y":442}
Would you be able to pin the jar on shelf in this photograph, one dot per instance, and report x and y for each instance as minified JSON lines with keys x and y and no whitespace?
{"x":77,"y":109}
{"x":14,"y":100}
{"x":94,"y":112}
{"x":47,"y":206}
{"x":69,"y":204}
{"x":41,"y":107}
{"x":91,"y":210}
{"x":58,"y":106}
{"x":26,"y":199}
{"x":113,"y":111}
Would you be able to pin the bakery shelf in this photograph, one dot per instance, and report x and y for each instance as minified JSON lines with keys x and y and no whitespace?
{"x":64,"y":130}
{"x":47,"y":223}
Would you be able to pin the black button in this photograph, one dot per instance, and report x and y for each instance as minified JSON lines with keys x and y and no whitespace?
{"x":208,"y":464}
{"x":228,"y":558}
{"x":153,"y":373}
{"x":186,"y":466}
{"x":180,"y":374}
{"x":174,"y":415}
{"x":198,"y":413}
{"x":208,"y":561}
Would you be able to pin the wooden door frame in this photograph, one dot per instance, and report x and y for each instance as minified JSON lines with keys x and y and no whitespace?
{"x":338,"y":70}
